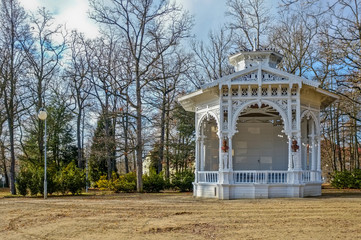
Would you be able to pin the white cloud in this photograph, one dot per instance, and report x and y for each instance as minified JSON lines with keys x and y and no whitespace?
{"x":72,"y":13}
{"x":208,"y":14}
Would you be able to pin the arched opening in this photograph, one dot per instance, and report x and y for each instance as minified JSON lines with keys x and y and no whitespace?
{"x":308,"y":143}
{"x":209,"y":144}
{"x":260,"y":142}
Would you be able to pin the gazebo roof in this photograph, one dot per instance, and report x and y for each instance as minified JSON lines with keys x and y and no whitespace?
{"x":256,"y":68}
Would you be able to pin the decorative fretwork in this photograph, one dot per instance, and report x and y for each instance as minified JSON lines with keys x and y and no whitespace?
{"x":284,"y":91}
{"x":225,"y":125}
{"x":205,"y":106}
{"x":269,"y":77}
{"x":274,"y":91}
{"x":234,"y":92}
{"x":282,"y":103}
{"x":215,"y":111}
{"x":264,"y":91}
{"x":225,"y":92}
{"x":294,"y":91}
{"x":251,"y":77}
{"x":236,"y":105}
{"x":244,"y":92}
{"x":225,"y":115}
{"x":254,"y":92}
{"x":294,"y":125}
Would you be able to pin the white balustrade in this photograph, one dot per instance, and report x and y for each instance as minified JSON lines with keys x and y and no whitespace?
{"x":208,"y":176}
{"x":265,"y":177}
{"x":311,"y":176}
{"x":260,"y":176}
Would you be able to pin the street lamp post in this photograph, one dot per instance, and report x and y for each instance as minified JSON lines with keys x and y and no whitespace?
{"x":42,"y":115}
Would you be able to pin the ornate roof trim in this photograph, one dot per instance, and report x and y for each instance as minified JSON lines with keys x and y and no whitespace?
{"x":291,"y":78}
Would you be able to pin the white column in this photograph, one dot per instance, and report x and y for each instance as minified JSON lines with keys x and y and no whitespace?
{"x":220,"y":153}
{"x":230,"y":116}
{"x":318,"y":153}
{"x":197,"y":160}
{"x":230,"y":160}
{"x":290,"y":165}
{"x":297,"y":155}
{"x":202,"y":153}
{"x":313,"y":147}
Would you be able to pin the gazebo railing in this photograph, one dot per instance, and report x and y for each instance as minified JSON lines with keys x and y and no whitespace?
{"x":265,"y":177}
{"x":208,"y":176}
{"x":311,"y":176}
{"x":260,"y":176}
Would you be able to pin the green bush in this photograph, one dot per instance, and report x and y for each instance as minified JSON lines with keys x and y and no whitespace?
{"x":347,"y":179}
{"x":36,"y":183}
{"x":102,"y":183}
{"x":22,"y":181}
{"x":153,"y":182}
{"x":356,"y":174}
{"x":183,"y":181}
{"x":125,"y":183}
{"x":52,"y":182}
{"x":70,"y":179}
{"x":75,"y":178}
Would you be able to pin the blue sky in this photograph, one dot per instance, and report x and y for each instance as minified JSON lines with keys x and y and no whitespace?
{"x":208,"y":14}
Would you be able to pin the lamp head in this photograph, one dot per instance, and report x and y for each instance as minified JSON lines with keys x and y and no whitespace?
{"x":42,"y":115}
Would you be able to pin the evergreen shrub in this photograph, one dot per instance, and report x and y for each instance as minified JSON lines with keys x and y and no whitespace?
{"x":347,"y":179}
{"x":103,"y":183}
{"x":75,"y":178}
{"x":153,"y":182}
{"x":68,"y":179}
{"x":183,"y":181}
{"x":22,"y":181}
{"x":123,"y":183}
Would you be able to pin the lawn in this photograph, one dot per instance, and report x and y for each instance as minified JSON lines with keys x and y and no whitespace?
{"x":335,"y":215}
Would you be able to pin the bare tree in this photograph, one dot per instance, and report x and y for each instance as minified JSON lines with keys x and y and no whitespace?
{"x":250,"y":20}
{"x":140,"y":24}
{"x":102,"y":56}
{"x":171,"y":68}
{"x":295,"y":36}
{"x":43,"y":53}
{"x":78,"y":72}
{"x":12,"y":27}
{"x":211,"y":57}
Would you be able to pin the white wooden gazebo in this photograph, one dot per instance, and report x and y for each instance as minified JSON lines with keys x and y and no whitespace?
{"x":258,"y":131}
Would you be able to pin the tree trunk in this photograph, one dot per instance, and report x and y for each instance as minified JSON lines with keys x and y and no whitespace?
{"x":126,"y":147}
{"x":3,"y":157}
{"x":338,"y":146}
{"x":162,"y":133}
{"x":139,"y":138}
{"x":79,"y":138}
{"x":167,"y":142}
{"x":12,"y":155}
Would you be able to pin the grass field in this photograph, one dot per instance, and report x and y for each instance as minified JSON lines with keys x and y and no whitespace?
{"x":335,"y":215}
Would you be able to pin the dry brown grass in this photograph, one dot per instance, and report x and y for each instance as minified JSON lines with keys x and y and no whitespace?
{"x":335,"y":215}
